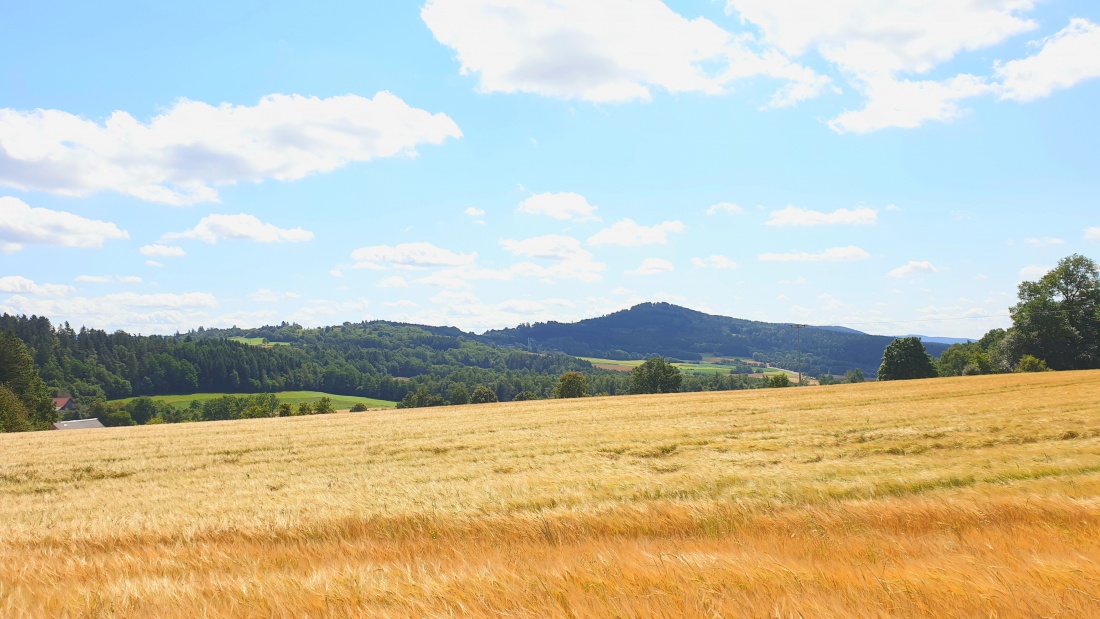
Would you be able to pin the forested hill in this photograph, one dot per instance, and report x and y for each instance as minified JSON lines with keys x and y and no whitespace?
{"x":681,"y":333}
{"x":372,"y":359}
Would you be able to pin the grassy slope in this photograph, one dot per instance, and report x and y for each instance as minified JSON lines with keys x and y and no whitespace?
{"x":339,"y":402}
{"x":628,"y":365}
{"x":974,"y":496}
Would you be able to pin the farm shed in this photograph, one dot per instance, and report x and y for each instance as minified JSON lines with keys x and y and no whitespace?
{"x":77,"y":424}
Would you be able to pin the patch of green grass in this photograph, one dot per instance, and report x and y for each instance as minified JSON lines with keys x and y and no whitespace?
{"x":699,"y":367}
{"x":339,"y":402}
{"x":256,"y":341}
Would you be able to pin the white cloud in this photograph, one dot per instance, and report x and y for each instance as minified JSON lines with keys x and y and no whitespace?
{"x":409,"y":256}
{"x":242,"y":226}
{"x":607,"y":51}
{"x":794,"y":216}
{"x":837,"y":254}
{"x":21,"y":224}
{"x":1067,"y":58}
{"x":886,"y":37}
{"x":563,"y":259}
{"x":628,"y":233}
{"x":1033,"y":271}
{"x":880,"y":45}
{"x":725,"y":207}
{"x":109,"y":279}
{"x":913,"y":267}
{"x":1092,"y":233}
{"x":17,"y":284}
{"x":181,"y":155}
{"x":136,"y":313}
{"x":652,"y":266}
{"x":163,"y":251}
{"x":1046,"y":241}
{"x":402,"y":303}
{"x":263,"y":295}
{"x":393,"y":282}
{"x":550,"y":246}
{"x":154,"y":263}
{"x":798,"y":281}
{"x":566,"y":205}
{"x":714,"y":262}
{"x":475,"y":212}
{"x":909,"y":104}
{"x":323,"y":311}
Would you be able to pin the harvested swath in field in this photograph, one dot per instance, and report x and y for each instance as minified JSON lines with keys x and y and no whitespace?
{"x":948,"y":497}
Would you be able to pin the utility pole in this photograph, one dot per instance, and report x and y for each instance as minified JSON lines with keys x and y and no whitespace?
{"x":798,"y":332}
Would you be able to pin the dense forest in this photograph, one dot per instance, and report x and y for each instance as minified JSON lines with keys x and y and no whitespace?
{"x":671,"y":331}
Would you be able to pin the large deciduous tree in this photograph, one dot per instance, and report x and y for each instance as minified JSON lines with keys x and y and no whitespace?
{"x":571,"y":385}
{"x":1058,"y":317}
{"x":905,"y":358}
{"x":656,"y":375}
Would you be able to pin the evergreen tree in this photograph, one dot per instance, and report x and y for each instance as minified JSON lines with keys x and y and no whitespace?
{"x":19,"y":375}
{"x":13,"y":415}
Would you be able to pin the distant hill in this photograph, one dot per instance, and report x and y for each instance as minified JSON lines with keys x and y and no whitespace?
{"x":682,"y":333}
{"x":947,"y":341}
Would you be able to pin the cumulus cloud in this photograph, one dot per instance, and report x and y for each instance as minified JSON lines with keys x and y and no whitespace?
{"x":109,"y":279}
{"x":630,"y":234}
{"x":243,"y":227}
{"x":137,"y":313}
{"x":181,"y":155}
{"x":475,"y":212}
{"x":715,"y":261}
{"x":652,"y":266}
{"x":162,"y":251}
{"x":882,"y":46}
{"x":913,"y":267}
{"x":565,"y":205}
{"x":1092,"y":233}
{"x":393,"y":282}
{"x":562,"y":258}
{"x":263,"y":295}
{"x":17,"y":284}
{"x":22,"y":224}
{"x":550,"y":246}
{"x":1033,"y":271}
{"x":607,"y":51}
{"x":1046,"y":241}
{"x":833,"y":254}
{"x":725,"y":207}
{"x":794,"y":216}
{"x":908,"y":104}
{"x":409,"y":256}
{"x":1067,"y":58}
{"x":885,"y":37}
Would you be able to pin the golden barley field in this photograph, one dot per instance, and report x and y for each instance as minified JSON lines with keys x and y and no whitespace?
{"x":967,"y":497}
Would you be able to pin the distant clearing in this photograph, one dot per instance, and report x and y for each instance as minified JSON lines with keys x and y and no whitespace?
{"x":338,"y":401}
{"x":710,"y":366}
{"x":962,"y":497}
{"x":257,"y":341}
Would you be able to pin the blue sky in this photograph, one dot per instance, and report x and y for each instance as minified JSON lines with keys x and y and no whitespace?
{"x":897,"y":167}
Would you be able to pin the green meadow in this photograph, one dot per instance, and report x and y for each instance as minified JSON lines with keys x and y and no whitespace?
{"x":339,"y":402}
{"x":698,"y":368}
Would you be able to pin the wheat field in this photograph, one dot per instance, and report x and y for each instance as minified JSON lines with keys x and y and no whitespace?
{"x":967,"y":497}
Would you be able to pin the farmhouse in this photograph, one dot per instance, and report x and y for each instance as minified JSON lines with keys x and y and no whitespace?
{"x":77,"y":424}
{"x":63,"y":404}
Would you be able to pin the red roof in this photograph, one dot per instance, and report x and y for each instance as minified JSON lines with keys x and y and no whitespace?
{"x":60,"y":403}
